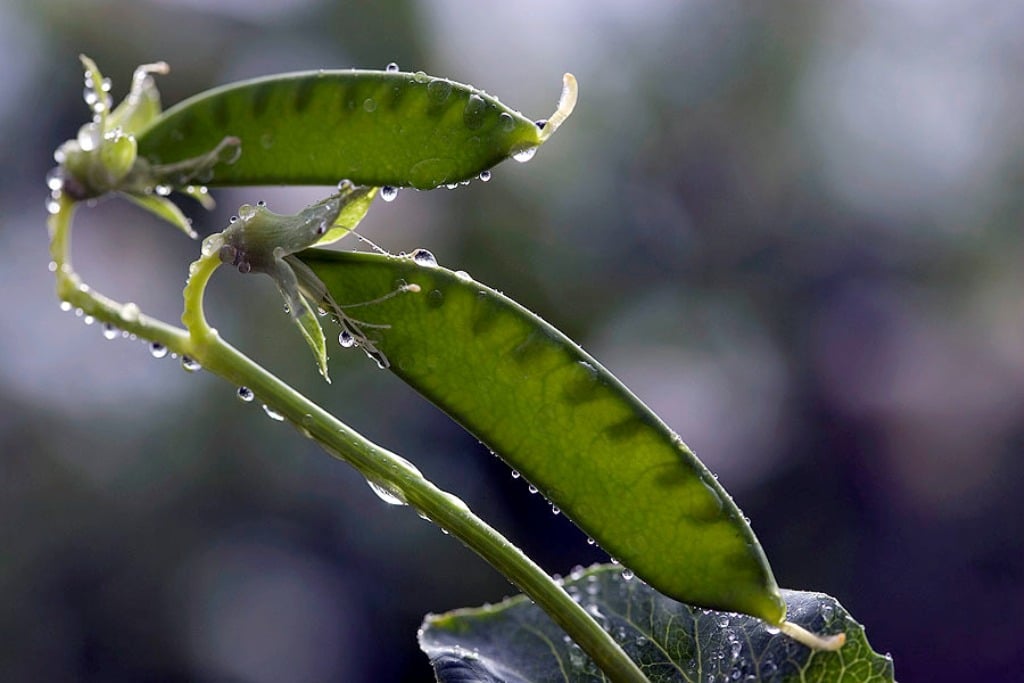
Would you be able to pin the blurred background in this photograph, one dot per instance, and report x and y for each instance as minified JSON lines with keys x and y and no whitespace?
{"x":794,"y":229}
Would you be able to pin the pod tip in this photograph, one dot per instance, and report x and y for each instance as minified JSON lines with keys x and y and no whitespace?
{"x":811,"y":640}
{"x":566,"y":103}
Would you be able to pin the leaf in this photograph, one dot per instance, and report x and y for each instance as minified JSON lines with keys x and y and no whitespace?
{"x":163,"y":208}
{"x":564,"y":422}
{"x":352,"y":213}
{"x":516,"y":641}
{"x":372,"y":127}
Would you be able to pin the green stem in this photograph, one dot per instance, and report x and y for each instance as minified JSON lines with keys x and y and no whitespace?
{"x":378,"y":465}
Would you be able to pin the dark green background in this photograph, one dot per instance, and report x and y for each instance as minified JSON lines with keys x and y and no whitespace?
{"x":795,"y":231}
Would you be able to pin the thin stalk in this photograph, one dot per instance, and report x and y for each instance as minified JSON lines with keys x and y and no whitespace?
{"x":380,"y":466}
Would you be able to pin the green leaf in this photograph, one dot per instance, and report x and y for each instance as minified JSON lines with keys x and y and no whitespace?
{"x":372,"y":127}
{"x":564,"y":422}
{"x":352,"y":213}
{"x":164,"y":208}
{"x":515,"y":641}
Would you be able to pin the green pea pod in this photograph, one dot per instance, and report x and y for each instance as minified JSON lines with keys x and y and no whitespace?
{"x":375,"y":128}
{"x":564,"y":422}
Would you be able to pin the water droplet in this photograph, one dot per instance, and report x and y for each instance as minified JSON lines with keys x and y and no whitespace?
{"x":438,"y":90}
{"x":540,"y":123}
{"x":771,"y":630}
{"x":555,"y":510}
{"x":246,"y":212}
{"x":55,"y":178}
{"x":627,"y":574}
{"x":369,"y":105}
{"x":53,"y":206}
{"x":157,"y":350}
{"x":463,"y":275}
{"x":531,"y":488}
{"x":392,"y":67}
{"x":484,"y":176}
{"x":89,"y":137}
{"x":722,"y":620}
{"x":346,"y":339}
{"x":65,"y":306}
{"x":130,"y":312}
{"x":827,"y":612}
{"x":387,"y":495}
{"x":507,"y":122}
{"x":162,"y":190}
{"x":273,"y":414}
{"x":515,"y":474}
{"x":245,"y":394}
{"x":473,"y":114}
{"x":590,"y":541}
{"x":388,"y":193}
{"x":524,"y":154}
{"x":262,"y":204}
{"x":424,"y":258}
{"x":189,"y":364}
{"x":109,"y":331}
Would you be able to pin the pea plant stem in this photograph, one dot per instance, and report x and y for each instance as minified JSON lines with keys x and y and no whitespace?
{"x":203,"y":344}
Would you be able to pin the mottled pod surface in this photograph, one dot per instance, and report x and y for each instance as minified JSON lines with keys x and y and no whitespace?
{"x":319,"y":127}
{"x":565,"y":423}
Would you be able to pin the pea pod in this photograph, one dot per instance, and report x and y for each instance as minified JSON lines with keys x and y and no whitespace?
{"x":564,"y":422}
{"x":375,"y":128}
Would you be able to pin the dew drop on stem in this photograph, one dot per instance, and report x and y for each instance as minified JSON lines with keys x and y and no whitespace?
{"x":110,"y":332}
{"x":189,"y":364}
{"x":388,"y":496}
{"x":245,"y":394}
{"x":157,"y":350}
{"x":273,"y":414}
{"x":346,"y":339}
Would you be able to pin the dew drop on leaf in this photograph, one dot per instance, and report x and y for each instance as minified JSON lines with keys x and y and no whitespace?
{"x":388,"y":193}
{"x":424,"y":257}
{"x":524,"y":155}
{"x":392,"y":67}
{"x":346,"y":339}
{"x":484,"y":176}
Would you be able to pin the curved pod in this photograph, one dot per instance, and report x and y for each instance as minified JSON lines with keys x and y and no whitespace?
{"x":371,"y":127}
{"x":563,"y":421}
